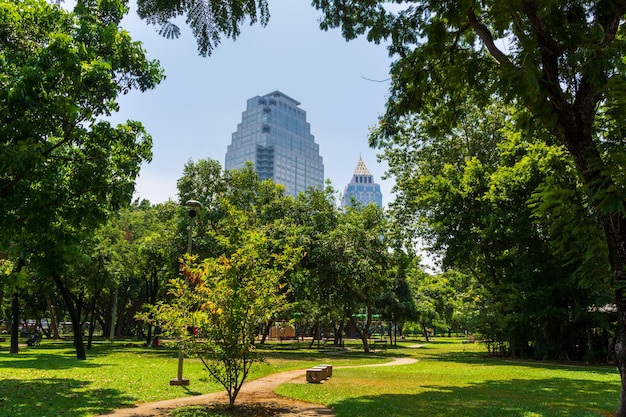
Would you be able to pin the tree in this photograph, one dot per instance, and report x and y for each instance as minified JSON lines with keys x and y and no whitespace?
{"x":249,"y":249}
{"x":158,"y":253}
{"x":62,"y":168}
{"x":398,"y":305}
{"x":563,"y":63}
{"x":478,"y":194}
{"x":229,"y":296}
{"x":441,"y":300}
{"x":360,"y":262}
{"x":134,"y":255}
{"x":316,"y":297}
{"x":209,"y":20}
{"x":13,"y":278}
{"x":206,"y":182}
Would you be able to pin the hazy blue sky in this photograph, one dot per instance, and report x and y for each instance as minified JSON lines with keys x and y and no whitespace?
{"x":194,"y":111}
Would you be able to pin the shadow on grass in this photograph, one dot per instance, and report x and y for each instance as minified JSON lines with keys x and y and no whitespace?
{"x":61,"y":355}
{"x":45,"y":361}
{"x":302,"y":350}
{"x":56,"y":397}
{"x":473,"y":358}
{"x":555,"y":397}
{"x":328,"y":357}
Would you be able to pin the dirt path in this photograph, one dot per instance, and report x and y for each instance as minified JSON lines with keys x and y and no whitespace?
{"x":257,"y":391}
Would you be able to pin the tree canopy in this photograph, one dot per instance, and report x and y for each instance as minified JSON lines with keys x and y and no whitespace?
{"x":560,"y":60}
{"x":63,"y":168}
{"x":209,"y":20}
{"x":247,"y":247}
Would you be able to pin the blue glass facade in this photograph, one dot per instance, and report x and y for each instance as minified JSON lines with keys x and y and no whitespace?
{"x":362,"y":188}
{"x":276,"y":137}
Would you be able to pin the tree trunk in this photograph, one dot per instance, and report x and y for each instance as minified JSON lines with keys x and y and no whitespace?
{"x":266,"y":331}
{"x":619,"y":350}
{"x":315,"y":332}
{"x":92,"y":329}
{"x":73,"y":308}
{"x":15,"y":323}
{"x":363,"y":333}
{"x":152,"y":290}
{"x":92,"y":322}
{"x":574,"y":129}
{"x":425,"y":331}
{"x":614,"y":231}
{"x":337,"y":330}
{"x":15,"y":313}
{"x":53,"y":318}
{"x":113,"y":316}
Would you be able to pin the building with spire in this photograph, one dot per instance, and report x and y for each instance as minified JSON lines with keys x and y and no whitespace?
{"x":275,"y":136}
{"x":362,"y":189}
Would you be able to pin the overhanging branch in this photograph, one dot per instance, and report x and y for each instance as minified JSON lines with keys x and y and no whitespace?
{"x":485,"y":35}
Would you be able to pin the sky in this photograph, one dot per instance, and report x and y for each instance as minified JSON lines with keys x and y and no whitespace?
{"x":192,"y":114}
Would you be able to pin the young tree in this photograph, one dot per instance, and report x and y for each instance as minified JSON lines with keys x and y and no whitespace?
{"x":62,"y":169}
{"x":227,"y":297}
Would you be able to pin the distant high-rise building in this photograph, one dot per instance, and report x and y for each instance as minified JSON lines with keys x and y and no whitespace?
{"x":276,"y":137}
{"x":362,"y":188}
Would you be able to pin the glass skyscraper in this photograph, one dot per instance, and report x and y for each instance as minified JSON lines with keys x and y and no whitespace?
{"x":276,"y":137}
{"x":362,"y":188}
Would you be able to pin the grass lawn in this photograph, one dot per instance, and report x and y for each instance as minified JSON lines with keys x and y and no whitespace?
{"x":48,"y":380}
{"x":450,"y":379}
{"x":453,"y":379}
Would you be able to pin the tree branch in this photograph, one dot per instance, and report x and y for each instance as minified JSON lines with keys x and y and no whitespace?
{"x":485,"y":35}
{"x":609,"y":17}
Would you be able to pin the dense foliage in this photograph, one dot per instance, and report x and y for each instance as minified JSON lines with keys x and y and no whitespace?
{"x":63,"y":168}
{"x":560,"y":60}
{"x":478,"y":193}
{"x":504,"y":132}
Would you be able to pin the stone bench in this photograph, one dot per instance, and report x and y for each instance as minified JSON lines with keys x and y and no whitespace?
{"x":319,"y":373}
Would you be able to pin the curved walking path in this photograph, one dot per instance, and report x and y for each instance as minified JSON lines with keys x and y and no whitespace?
{"x":256,"y":391}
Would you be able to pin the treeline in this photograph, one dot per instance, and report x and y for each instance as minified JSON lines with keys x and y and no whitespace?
{"x":522,"y":200}
{"x":353,"y":270}
{"x":504,"y":204}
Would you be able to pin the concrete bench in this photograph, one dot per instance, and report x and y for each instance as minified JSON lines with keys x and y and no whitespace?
{"x":328,"y":368}
{"x":319,"y":373}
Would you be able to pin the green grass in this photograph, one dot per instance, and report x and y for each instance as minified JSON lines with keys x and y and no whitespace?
{"x":49,"y":377}
{"x":449,"y":379}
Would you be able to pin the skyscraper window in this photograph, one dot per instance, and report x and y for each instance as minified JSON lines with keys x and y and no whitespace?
{"x":278,"y":138}
{"x":362,"y":188}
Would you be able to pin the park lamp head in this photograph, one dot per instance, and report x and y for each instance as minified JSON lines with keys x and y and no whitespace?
{"x":193,"y":206}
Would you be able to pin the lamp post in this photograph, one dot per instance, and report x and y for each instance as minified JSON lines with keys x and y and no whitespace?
{"x":192,"y":207}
